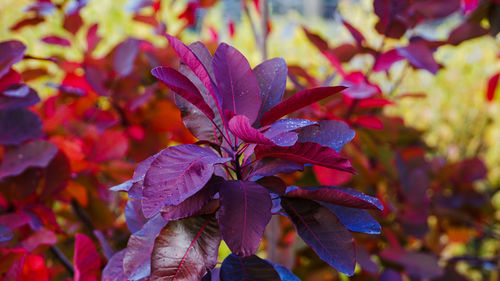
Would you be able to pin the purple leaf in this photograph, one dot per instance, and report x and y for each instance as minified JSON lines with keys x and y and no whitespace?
{"x":274,"y":184}
{"x":343,"y":196}
{"x":284,"y":273}
{"x":271,"y":76}
{"x":133,"y":216}
{"x":281,"y":133}
{"x":386,"y":60}
{"x":114,"y":269}
{"x":182,"y":86}
{"x":435,"y":9}
{"x":137,"y":259}
{"x":18,"y":125}
{"x":10,"y":52}
{"x":253,"y":268}
{"x":298,"y":101}
{"x":56,"y":40}
{"x":390,"y":275}
{"x":240,"y":126}
{"x":420,"y":56}
{"x":417,"y":265}
{"x":212,"y":275}
{"x":194,"y":204}
{"x":5,"y":233}
{"x":124,"y":56}
{"x":323,"y":231}
{"x":355,"y":219}
{"x":271,"y":167}
{"x":185,"y":249}
{"x":243,"y":215}
{"x":107,"y":250}
{"x":237,"y":83}
{"x":33,"y":154}
{"x":364,"y":260}
{"x":18,"y":96}
{"x":177,"y":173}
{"x":331,"y":133}
{"x":306,"y":153}
{"x":466,"y":31}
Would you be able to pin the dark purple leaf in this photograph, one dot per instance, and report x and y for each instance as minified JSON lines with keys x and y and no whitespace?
{"x":33,"y":154}
{"x":56,"y":40}
{"x":240,"y":126}
{"x":114,"y":269}
{"x":323,"y":231}
{"x":389,"y":24}
{"x":418,"y":265}
{"x":390,"y":275}
{"x":253,"y":268}
{"x":5,"y":233}
{"x":364,"y":260}
{"x":284,"y":273}
{"x":124,"y":56}
{"x":185,"y":249}
{"x":355,"y":219}
{"x":271,"y":76}
{"x":306,"y":153}
{"x":194,"y":204}
{"x":354,"y":32}
{"x":420,"y":56}
{"x":18,"y":96}
{"x":243,"y":215}
{"x":137,"y":259}
{"x":97,"y":79}
{"x":274,"y":184}
{"x":466,"y":31}
{"x":92,"y":38}
{"x":343,"y":196}
{"x":236,"y":82}
{"x":182,"y":86}
{"x":436,"y":9}
{"x":386,"y":60}
{"x":10,"y":52}
{"x":271,"y":167}
{"x":297,"y":101}
{"x":133,"y":216}
{"x":331,"y":133}
{"x":177,"y":173}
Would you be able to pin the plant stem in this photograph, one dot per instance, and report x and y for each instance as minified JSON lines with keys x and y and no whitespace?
{"x":63,"y":259}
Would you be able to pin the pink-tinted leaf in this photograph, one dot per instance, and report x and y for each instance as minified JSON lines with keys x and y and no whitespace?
{"x":5,"y":233}
{"x":194,"y":204}
{"x":113,"y":271}
{"x":271,"y":167}
{"x":466,"y":31}
{"x":298,"y":101}
{"x":177,"y":173}
{"x":241,"y":128}
{"x":418,"y":265}
{"x":33,"y":154}
{"x":386,"y":60}
{"x":86,"y":259}
{"x":137,"y":259}
{"x":343,"y":196}
{"x":41,"y":237}
{"x":14,"y":220}
{"x":307,"y":153}
{"x":248,"y":268}
{"x":18,"y":96}
{"x":56,"y":40}
{"x":332,"y":133}
{"x":243,"y":215}
{"x":492,"y":87}
{"x":124,"y":56}
{"x":354,"y":32}
{"x":358,"y":86}
{"x":355,"y":219}
{"x":236,"y":82}
{"x":271,"y":76}
{"x":93,"y":38}
{"x":133,"y":216}
{"x":420,"y":56}
{"x":185,"y":249}
{"x":181,"y":85}
{"x":10,"y":53}
{"x":323,"y":231}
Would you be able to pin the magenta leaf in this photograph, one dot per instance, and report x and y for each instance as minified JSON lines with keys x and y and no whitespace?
{"x":332,"y":133}
{"x":5,"y":233}
{"x":271,"y":76}
{"x":18,"y":125}
{"x":323,"y":231}
{"x":420,"y":56}
{"x":241,"y":128}
{"x":271,"y":167}
{"x":10,"y":52}
{"x":358,"y":86}
{"x":194,"y":204}
{"x":417,"y":264}
{"x":177,"y":173}
{"x":18,"y":96}
{"x":306,"y":153}
{"x":343,"y":196}
{"x":236,"y":82}
{"x":243,"y":215}
{"x":124,"y":56}
{"x":33,"y":154}
{"x":133,"y":216}
{"x":86,"y":259}
{"x":253,"y":268}
{"x":182,"y":86}
{"x":386,"y":60}
{"x":114,"y":268}
{"x":298,"y":101}
{"x":56,"y":40}
{"x":185,"y":249}
{"x":92,"y":37}
{"x":137,"y":259}
{"x":355,"y":219}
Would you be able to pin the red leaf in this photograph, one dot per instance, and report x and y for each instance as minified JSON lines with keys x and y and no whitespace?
{"x":298,"y":101}
{"x":371,"y":122}
{"x":386,"y":60}
{"x":92,"y":38}
{"x":492,"y":86}
{"x":327,"y":176}
{"x":86,"y":259}
{"x":354,"y":32}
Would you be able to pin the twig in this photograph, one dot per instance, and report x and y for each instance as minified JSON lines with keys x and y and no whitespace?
{"x":62,"y":258}
{"x":80,"y":213}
